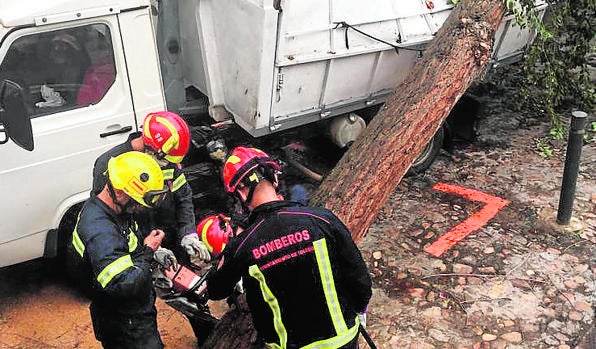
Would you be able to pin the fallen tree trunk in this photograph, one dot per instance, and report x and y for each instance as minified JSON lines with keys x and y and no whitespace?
{"x":362,"y":181}
{"x":364,"y":178}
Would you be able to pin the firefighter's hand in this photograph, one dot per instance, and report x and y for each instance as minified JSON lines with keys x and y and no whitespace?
{"x":166,"y":258}
{"x":195,"y":247}
{"x":154,"y":239}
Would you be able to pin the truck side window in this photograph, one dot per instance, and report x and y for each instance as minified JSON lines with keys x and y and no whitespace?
{"x":63,"y":69}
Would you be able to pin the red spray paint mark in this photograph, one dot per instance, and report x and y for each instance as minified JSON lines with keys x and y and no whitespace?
{"x":472,"y":223}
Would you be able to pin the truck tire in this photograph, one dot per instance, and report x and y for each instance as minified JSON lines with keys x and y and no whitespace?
{"x":428,"y":154}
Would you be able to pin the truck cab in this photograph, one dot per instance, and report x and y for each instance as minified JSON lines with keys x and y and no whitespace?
{"x":65,"y":76}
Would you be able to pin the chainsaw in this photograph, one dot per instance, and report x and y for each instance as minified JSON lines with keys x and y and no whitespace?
{"x":184,"y":290}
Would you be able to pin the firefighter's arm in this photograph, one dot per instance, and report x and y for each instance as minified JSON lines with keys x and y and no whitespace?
{"x":221,"y":283}
{"x":116,"y":271}
{"x":185,"y":216}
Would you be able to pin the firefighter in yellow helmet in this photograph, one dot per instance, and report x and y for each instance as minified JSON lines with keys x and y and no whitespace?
{"x":118,"y":259}
{"x":166,"y":136}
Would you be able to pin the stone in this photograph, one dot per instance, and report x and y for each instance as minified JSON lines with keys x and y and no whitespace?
{"x":462,"y":268}
{"x":488,"y":337}
{"x":582,"y":306}
{"x":438,"y":335}
{"x":377,"y":255}
{"x":575,"y":316}
{"x":551,"y":340}
{"x":521,"y":284}
{"x":580,"y":269}
{"x":499,"y":344}
{"x":555,"y":325}
{"x":508,"y":323}
{"x":570,"y":284}
{"x":416,"y":292}
{"x":512,"y":337}
{"x":477,"y":330}
{"x":550,"y":312}
{"x":487,"y":270}
{"x":561,"y":337}
{"x":489,"y":250}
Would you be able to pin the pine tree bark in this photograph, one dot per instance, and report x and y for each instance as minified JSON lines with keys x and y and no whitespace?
{"x":360,"y":184}
{"x":362,"y":181}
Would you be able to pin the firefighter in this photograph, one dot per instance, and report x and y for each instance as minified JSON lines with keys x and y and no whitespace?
{"x":215,"y":230}
{"x":166,"y":136}
{"x":117,"y":257}
{"x":304,"y":278}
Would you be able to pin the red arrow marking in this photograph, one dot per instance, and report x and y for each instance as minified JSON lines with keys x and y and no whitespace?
{"x":474,"y":222}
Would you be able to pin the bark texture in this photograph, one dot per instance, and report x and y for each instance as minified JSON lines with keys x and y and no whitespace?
{"x":367,"y":174}
{"x":362,"y":181}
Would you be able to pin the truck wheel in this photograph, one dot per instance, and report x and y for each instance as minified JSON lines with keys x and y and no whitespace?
{"x":428,"y":154}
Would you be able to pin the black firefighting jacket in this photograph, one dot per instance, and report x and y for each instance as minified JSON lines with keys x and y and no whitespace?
{"x":304,"y":277}
{"x":117,"y":261}
{"x":175,"y":213}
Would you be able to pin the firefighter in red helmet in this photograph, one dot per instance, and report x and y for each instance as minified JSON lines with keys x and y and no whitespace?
{"x":215,"y":230}
{"x":166,"y":136}
{"x":305,"y":279}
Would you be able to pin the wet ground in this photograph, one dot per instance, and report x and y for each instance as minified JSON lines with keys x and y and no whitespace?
{"x":518,"y":281}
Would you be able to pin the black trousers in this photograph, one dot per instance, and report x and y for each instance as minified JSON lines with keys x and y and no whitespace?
{"x":118,"y":331}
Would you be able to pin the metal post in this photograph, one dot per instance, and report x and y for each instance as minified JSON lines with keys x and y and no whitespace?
{"x":579,"y":120}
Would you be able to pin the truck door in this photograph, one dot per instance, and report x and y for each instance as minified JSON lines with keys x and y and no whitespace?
{"x":79,"y":102}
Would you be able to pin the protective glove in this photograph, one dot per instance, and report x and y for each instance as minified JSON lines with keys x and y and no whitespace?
{"x":165,"y":257}
{"x":239,"y":287}
{"x":195,"y":247}
{"x":362,"y":318}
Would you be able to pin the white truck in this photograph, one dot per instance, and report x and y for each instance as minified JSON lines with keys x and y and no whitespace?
{"x":77,"y":76}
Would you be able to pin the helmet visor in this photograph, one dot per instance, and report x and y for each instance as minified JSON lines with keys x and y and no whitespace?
{"x":152,"y":198}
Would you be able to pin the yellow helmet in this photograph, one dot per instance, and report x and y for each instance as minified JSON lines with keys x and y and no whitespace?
{"x":139,"y":176}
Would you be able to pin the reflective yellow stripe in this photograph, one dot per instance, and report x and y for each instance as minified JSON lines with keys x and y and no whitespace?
{"x":179,"y":182}
{"x":79,"y":246}
{"x":273,"y":346}
{"x":168,"y":174}
{"x":270,"y":299}
{"x":133,"y":241}
{"x":174,"y":159}
{"x":174,"y":138}
{"x":77,"y":243}
{"x":343,"y":334}
{"x":113,"y":269}
{"x":337,"y":341}
{"x":329,"y":286}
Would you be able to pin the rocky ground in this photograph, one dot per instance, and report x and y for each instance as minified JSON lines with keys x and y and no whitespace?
{"x":519,"y":281}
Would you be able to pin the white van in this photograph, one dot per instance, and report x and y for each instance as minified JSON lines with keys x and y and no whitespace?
{"x":76,"y":77}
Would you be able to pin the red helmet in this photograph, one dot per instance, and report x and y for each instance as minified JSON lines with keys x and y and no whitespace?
{"x":244,"y":161}
{"x":214,"y":230}
{"x":167,"y":134}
